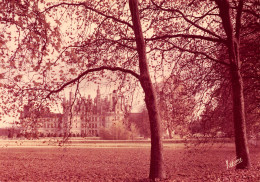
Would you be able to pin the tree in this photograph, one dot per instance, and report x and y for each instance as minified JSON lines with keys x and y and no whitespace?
{"x":141,"y":121}
{"x":233,"y":45}
{"x":156,"y":165}
{"x":216,"y":24}
{"x":49,"y":53}
{"x":105,"y":37}
{"x":216,"y":118}
{"x":176,"y":105}
{"x":219,"y":114}
{"x":118,"y":131}
{"x":250,"y":72}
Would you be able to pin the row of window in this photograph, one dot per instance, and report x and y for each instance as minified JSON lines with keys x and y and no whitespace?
{"x":99,"y":119}
{"x":56,"y":125}
{"x":50,"y":125}
{"x":93,"y":132}
{"x":50,"y":119}
{"x":94,"y":119}
{"x":90,"y":125}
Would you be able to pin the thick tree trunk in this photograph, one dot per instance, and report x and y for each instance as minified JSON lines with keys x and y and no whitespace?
{"x":156,"y":163}
{"x":242,"y":150}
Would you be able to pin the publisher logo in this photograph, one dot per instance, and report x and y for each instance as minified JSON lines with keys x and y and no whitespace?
{"x":233,"y":163}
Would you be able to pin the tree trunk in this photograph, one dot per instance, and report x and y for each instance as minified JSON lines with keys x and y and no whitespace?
{"x":156,"y":163}
{"x":242,"y":150}
{"x":233,"y":44}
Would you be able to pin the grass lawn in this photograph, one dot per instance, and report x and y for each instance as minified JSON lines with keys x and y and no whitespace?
{"x":121,"y":164}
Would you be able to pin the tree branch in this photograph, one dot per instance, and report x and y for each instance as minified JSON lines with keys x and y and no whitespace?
{"x":89,"y":8}
{"x":238,"y":19}
{"x":187,"y":20}
{"x":186,"y":36}
{"x":91,"y":71}
{"x":198,"y":52}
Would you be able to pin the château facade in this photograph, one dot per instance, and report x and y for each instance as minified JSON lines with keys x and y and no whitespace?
{"x":87,"y":116}
{"x":40,"y":121}
{"x":81,"y":116}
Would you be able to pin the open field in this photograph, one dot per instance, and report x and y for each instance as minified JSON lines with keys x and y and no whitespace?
{"x":85,"y":142}
{"x":121,"y":163}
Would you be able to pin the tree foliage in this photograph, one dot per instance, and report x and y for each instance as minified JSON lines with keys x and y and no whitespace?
{"x":177,"y":106}
{"x":119,"y":131}
{"x":52,"y":45}
{"x":81,"y":39}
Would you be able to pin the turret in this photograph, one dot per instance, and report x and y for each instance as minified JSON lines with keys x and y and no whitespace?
{"x":98,"y":92}
{"x":98,"y":101}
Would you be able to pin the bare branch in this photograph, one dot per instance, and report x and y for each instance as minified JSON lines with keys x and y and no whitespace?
{"x":186,"y":36}
{"x":238,"y":19}
{"x":89,"y":8}
{"x":91,"y":71}
{"x":119,"y":42}
{"x":201,"y":53}
{"x":187,"y":20}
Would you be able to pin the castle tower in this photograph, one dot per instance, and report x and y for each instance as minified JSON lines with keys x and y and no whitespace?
{"x":114,"y":101}
{"x":98,"y":92}
{"x":98,"y":101}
